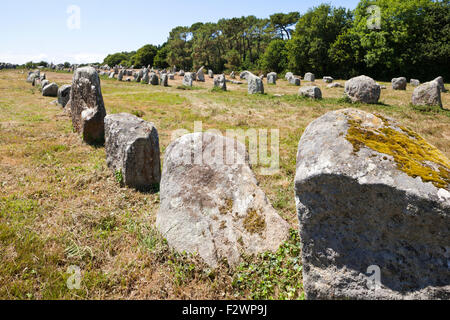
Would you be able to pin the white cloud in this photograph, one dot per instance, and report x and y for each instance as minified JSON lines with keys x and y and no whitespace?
{"x":78,"y":58}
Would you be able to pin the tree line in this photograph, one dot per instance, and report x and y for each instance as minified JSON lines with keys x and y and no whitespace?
{"x":413,"y":40}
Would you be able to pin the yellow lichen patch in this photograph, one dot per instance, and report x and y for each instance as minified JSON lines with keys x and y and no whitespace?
{"x":254,"y":223}
{"x":412,"y":153}
{"x":227,"y":208}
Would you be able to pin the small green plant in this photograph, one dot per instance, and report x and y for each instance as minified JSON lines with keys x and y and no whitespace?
{"x":119,"y":176}
{"x":138,"y":113}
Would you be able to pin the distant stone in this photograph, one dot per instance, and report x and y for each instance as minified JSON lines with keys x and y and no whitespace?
{"x":328,"y":79}
{"x":310,"y":92}
{"x":88,"y":109}
{"x":145,"y":76}
{"x":64,"y":94}
{"x":294,"y":81}
{"x":44,"y":83}
{"x":120,"y":75}
{"x":244,"y":75}
{"x":50,"y":90}
{"x":181,"y":73}
{"x":153,"y":79}
{"x":427,"y":94}
{"x":335,"y":85}
{"x":399,"y":83}
{"x":310,"y":77}
{"x":200,"y":75}
{"x":362,"y":89}
{"x":132,"y":150}
{"x":220,"y":82}
{"x":112,"y":75}
{"x":288,"y":75}
{"x":255,"y":84}
{"x":440,"y":82}
{"x":233,"y":75}
{"x":164,"y":81}
{"x":213,"y":206}
{"x":373,"y":203}
{"x":210,"y":74}
{"x":171,"y":76}
{"x":414,"y":82}
{"x":236,"y":82}
{"x":187,"y":80}
{"x":272,"y":78}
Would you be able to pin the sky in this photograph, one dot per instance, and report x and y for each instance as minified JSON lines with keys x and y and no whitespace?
{"x":84,"y":31}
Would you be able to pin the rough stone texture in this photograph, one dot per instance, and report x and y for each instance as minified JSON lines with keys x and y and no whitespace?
{"x":201,"y":75}
{"x":440,"y":81}
{"x":310,"y":77}
{"x":244,"y":75}
{"x":328,"y":79}
{"x":414,"y":82}
{"x":399,"y":83}
{"x":211,"y":74}
{"x":220,"y":82}
{"x":145,"y":77}
{"x":233,"y":75}
{"x":272,"y":78}
{"x":87,"y":107}
{"x":187,"y":80}
{"x":255,"y":84}
{"x":335,"y":85}
{"x":132,"y":148}
{"x":310,"y":92}
{"x":360,"y":207}
{"x":181,"y":73}
{"x":112,"y":75}
{"x":215,"y":208}
{"x":32,"y":76}
{"x":294,"y":81}
{"x":153,"y":79}
{"x":44,"y":83}
{"x":288,"y":75}
{"x":362,"y":89}
{"x":64,"y":94}
{"x":164,"y":81}
{"x":427,"y":94}
{"x":120,"y":75}
{"x":50,"y":90}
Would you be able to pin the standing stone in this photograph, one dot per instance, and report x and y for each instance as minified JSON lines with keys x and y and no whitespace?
{"x":200,"y":75}
{"x":211,"y":203}
{"x":399,"y":83}
{"x":145,"y":76}
{"x":233,"y":75}
{"x":288,"y":75}
{"x":272,"y":78}
{"x":211,"y":74}
{"x":255,"y":84}
{"x":112,"y":74}
{"x":88,"y":109}
{"x":328,"y":79}
{"x":181,"y":73}
{"x":64,"y":94}
{"x":171,"y":76}
{"x":50,"y":90}
{"x":372,"y":196}
{"x":414,"y":82}
{"x":310,"y":77}
{"x":153,"y":79}
{"x":440,"y":81}
{"x":220,"y":82}
{"x":310,"y":92}
{"x":44,"y":83}
{"x":294,"y":81}
{"x":362,"y":89}
{"x":244,"y":75}
{"x":132,"y":150}
{"x":164,"y":80}
{"x":187,"y":79}
{"x":427,"y":94}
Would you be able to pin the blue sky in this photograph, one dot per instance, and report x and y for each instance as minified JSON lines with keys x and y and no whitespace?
{"x":38,"y":30}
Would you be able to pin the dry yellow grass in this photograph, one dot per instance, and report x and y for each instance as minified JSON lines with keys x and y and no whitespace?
{"x":61,"y":206}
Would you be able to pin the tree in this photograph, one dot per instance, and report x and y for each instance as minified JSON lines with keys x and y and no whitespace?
{"x":282,"y":21}
{"x":160,"y":60}
{"x":180,"y":48}
{"x":117,"y":58}
{"x":145,"y":56}
{"x":275,"y":57}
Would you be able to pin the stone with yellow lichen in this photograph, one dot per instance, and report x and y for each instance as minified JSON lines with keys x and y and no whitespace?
{"x":371,"y":192}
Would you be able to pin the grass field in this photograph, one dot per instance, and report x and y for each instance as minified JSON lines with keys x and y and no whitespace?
{"x":60,"y":205}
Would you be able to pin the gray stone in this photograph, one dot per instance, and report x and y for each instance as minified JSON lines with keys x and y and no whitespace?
{"x":328,"y":79}
{"x":310,"y":77}
{"x":64,"y":94}
{"x":288,"y":75}
{"x":211,"y":74}
{"x":171,"y":76}
{"x":427,"y":94}
{"x":145,"y":76}
{"x":132,"y":150}
{"x":153,"y":79}
{"x":294,"y":81}
{"x":87,"y":107}
{"x":44,"y":83}
{"x":362,"y":89}
{"x":335,"y":85}
{"x":399,"y":83}
{"x":112,"y":75}
{"x":310,"y":92}
{"x":120,"y":75}
{"x":233,"y":75}
{"x":414,"y":82}
{"x":359,"y":211}
{"x":244,"y":75}
{"x":220,"y":82}
{"x":50,"y":90}
{"x":200,"y":75}
{"x":440,"y":81}
{"x":272,"y":78}
{"x":213,"y":206}
{"x":255,"y":84}
{"x":164,"y":81}
{"x":181,"y":73}
{"x":187,"y":80}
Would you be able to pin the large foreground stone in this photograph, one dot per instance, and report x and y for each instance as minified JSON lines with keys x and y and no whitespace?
{"x":212,"y":206}
{"x":132,"y":149}
{"x":87,"y":107}
{"x":372,"y":195}
{"x":255,"y":84}
{"x":362,"y":89}
{"x":427,"y":94}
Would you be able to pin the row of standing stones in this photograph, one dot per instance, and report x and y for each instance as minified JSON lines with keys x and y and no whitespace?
{"x":368,"y":191}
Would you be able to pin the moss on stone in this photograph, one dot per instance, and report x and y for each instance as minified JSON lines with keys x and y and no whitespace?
{"x":227,"y":208}
{"x":412,"y":154}
{"x":254,"y":223}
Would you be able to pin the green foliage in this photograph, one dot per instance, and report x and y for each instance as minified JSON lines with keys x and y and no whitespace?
{"x":282,"y":21}
{"x":119,"y":176}
{"x":160,"y":60}
{"x":276,"y":57}
{"x":273,"y":275}
{"x":118,"y":58}
{"x":145,"y":56}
